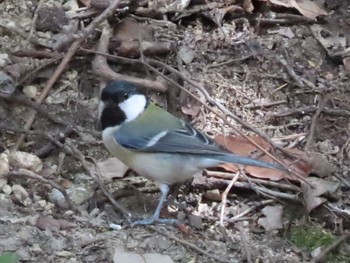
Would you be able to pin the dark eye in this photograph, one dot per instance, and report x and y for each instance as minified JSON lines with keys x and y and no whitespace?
{"x":126,"y":95}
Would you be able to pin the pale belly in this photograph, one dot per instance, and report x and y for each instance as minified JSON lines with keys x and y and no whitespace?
{"x":160,"y":167}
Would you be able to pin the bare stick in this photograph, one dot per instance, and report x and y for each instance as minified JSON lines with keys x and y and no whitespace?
{"x":35,"y":18}
{"x":310,"y":138}
{"x":26,"y":173}
{"x":224,"y":198}
{"x":321,"y":257}
{"x":247,"y":253}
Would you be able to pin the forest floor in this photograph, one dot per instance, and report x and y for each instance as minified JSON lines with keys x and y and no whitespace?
{"x":277,"y":75}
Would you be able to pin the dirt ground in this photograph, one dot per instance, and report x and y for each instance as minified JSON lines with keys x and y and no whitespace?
{"x":267,"y":68}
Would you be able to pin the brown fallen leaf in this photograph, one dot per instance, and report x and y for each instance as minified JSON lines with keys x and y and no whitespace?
{"x":240,"y":146}
{"x":49,"y":223}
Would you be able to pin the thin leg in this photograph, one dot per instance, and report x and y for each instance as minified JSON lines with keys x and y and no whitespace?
{"x":164,"y":188}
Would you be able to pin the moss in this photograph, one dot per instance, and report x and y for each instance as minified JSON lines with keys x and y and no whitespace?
{"x":310,"y":236}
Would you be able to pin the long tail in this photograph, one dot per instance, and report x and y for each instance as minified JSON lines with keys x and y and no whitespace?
{"x":231,"y":158}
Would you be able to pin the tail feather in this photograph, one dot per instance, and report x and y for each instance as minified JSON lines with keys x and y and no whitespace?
{"x":231,"y":158}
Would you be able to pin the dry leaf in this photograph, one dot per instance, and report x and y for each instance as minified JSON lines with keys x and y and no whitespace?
{"x":312,"y":193}
{"x":320,"y":165}
{"x":130,"y":29}
{"x":110,"y":168}
{"x":218,"y":14}
{"x":186,"y":54}
{"x":307,"y":8}
{"x":122,"y":256}
{"x":248,"y":6}
{"x":85,"y":2}
{"x":240,"y":146}
{"x":178,"y":5}
{"x":273,"y":218}
{"x":45,"y":222}
{"x":191,"y":110}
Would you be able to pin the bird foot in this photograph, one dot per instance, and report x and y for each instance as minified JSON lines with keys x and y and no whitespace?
{"x":151,"y":220}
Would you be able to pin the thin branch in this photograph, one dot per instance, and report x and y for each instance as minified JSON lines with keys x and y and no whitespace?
{"x":224,"y":198}
{"x":26,"y":173}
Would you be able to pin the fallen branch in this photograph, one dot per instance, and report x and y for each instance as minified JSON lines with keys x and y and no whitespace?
{"x":101,"y":68}
{"x":224,"y":198}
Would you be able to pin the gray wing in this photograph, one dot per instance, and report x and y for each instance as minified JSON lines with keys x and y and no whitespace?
{"x":182,"y":140}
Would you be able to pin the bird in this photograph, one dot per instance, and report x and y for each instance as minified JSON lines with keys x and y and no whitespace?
{"x":156,"y":144}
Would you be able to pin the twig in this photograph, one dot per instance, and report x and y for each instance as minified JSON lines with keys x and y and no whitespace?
{"x":230,"y":61}
{"x":226,"y":175}
{"x":35,"y":18}
{"x":188,"y":244}
{"x":250,"y":209}
{"x":321,"y":257}
{"x":219,"y":183}
{"x":290,"y":71}
{"x":74,"y":152}
{"x":265,"y":105}
{"x":61,"y":67}
{"x":311,"y":109}
{"x":248,"y":255}
{"x":101,"y":68}
{"x":310,"y":138}
{"x":23,"y":172}
{"x":224,"y":198}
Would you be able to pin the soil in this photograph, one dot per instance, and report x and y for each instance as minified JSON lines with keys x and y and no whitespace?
{"x":278,"y":78}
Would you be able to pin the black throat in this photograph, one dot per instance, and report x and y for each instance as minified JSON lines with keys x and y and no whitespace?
{"x":112,"y":116}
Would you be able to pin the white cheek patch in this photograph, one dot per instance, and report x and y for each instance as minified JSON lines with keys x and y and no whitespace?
{"x":133,"y":106}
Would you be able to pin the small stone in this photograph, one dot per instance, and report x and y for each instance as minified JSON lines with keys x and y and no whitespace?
{"x":20,"y":193}
{"x":49,"y":206}
{"x":42,"y":203}
{"x":30,"y":91}
{"x":36,"y":248}
{"x":6,"y":189}
{"x":71,"y":5}
{"x":26,"y":161}
{"x":196,"y":222}
{"x":3,"y":182}
{"x":213,"y":195}
{"x":4,"y":59}
{"x":4,"y":165}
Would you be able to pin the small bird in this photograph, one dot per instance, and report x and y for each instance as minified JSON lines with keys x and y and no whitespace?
{"x":155,"y":143}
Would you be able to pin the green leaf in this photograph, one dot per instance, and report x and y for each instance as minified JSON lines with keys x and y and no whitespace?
{"x":9,"y":258}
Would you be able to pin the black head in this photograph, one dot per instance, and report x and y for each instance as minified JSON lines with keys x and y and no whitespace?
{"x":118,"y":91}
{"x":120,"y":102}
